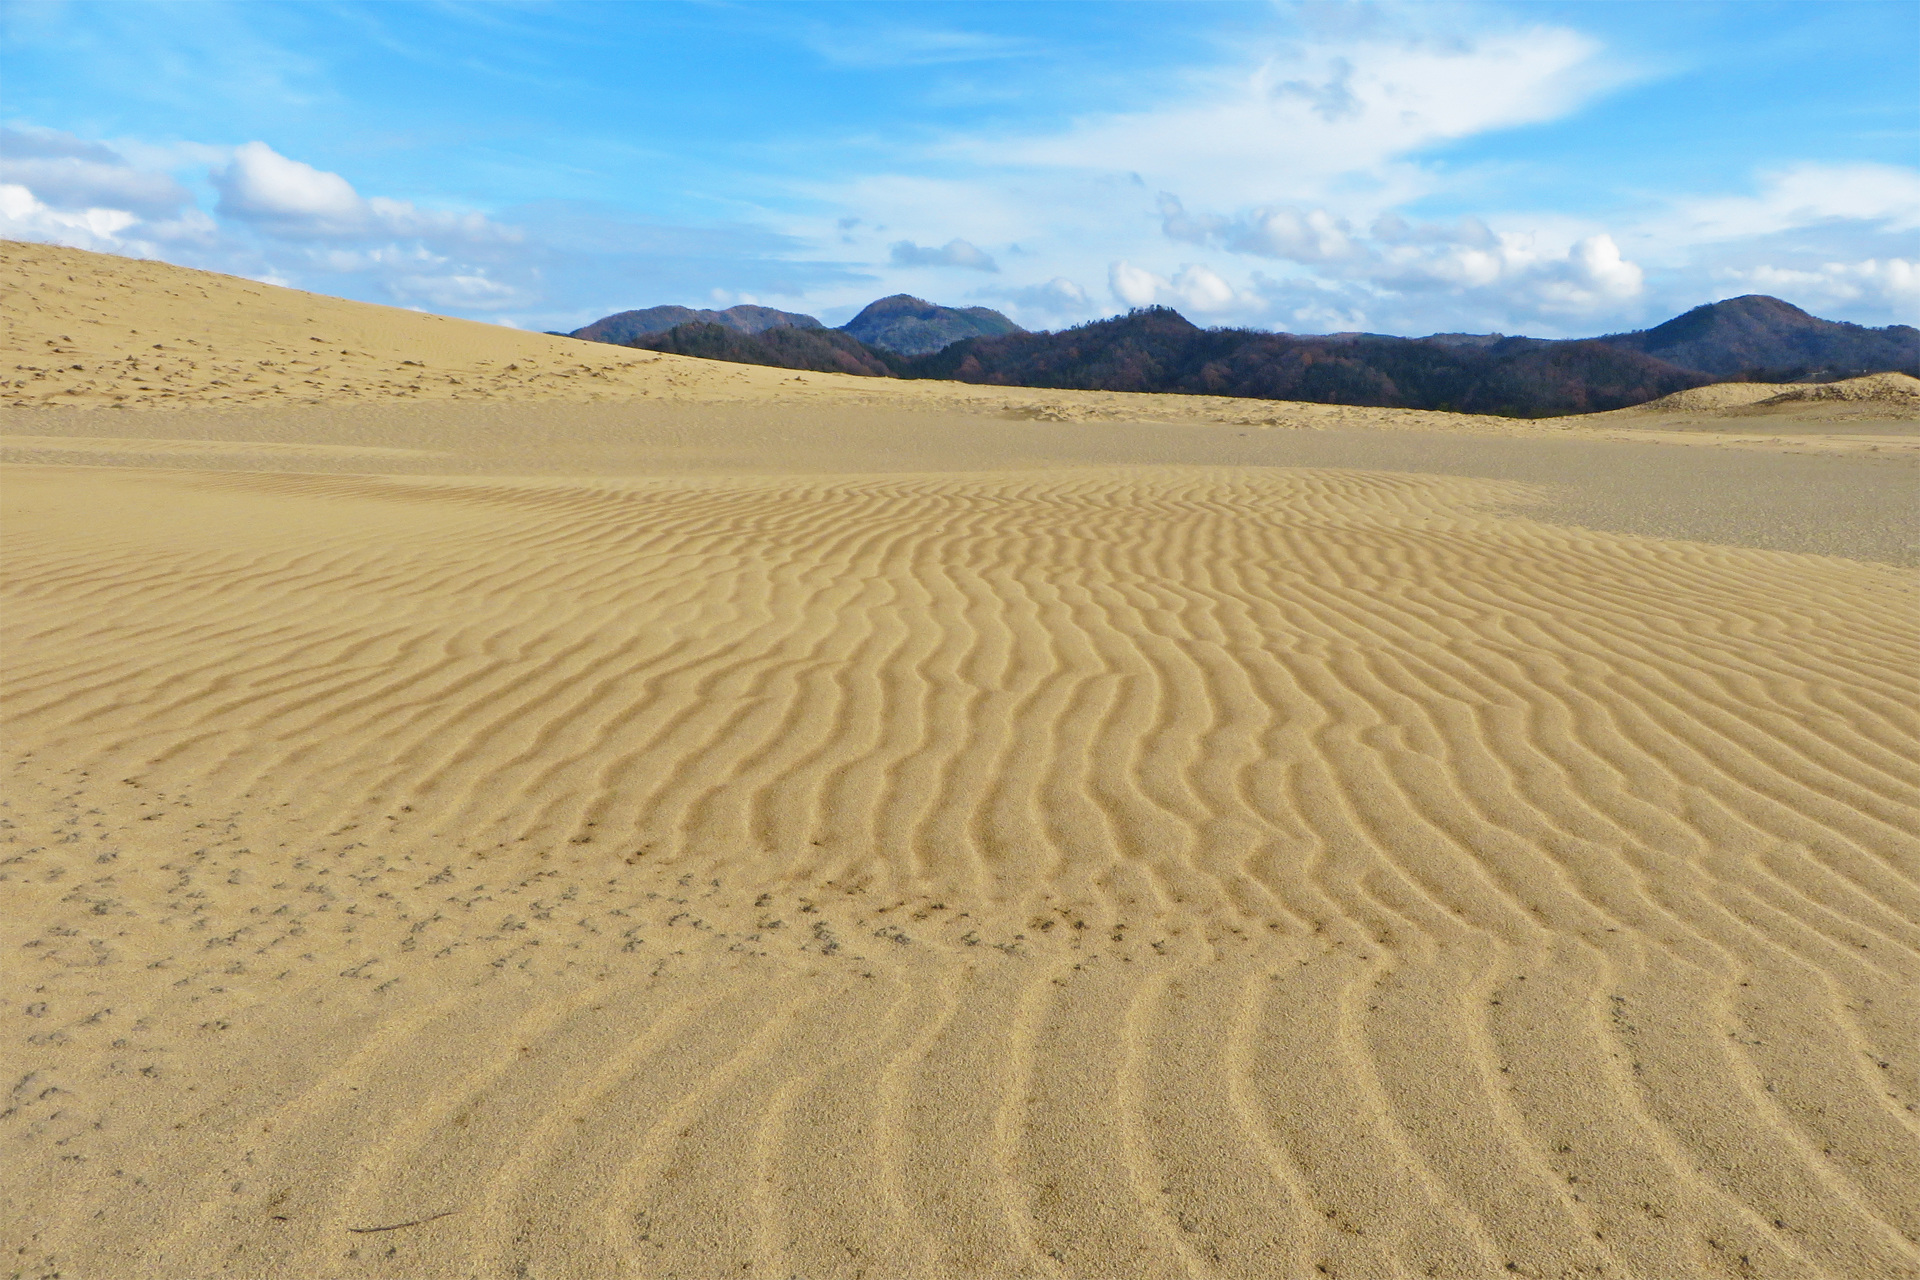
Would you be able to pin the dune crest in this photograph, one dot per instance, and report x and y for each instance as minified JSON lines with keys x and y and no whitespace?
{"x":1900,"y":389}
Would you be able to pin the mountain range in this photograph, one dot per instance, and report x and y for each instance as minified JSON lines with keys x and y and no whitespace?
{"x":902,"y":324}
{"x":1157,"y":349}
{"x":1754,"y":338}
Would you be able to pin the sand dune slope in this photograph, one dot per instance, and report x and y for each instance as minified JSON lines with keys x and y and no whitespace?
{"x":1092,"y":873}
{"x":92,"y":330}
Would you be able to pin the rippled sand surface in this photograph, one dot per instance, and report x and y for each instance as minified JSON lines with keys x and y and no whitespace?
{"x":985,"y":870}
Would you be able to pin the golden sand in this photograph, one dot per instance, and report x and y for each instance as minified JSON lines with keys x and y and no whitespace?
{"x":429,"y":863}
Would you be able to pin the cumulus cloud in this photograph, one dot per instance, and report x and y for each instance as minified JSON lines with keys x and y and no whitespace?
{"x":293,"y":200}
{"x":279,"y":220}
{"x":1589,"y":274}
{"x":954,"y":253}
{"x":25,"y":217}
{"x":1195,"y":287}
{"x":1301,"y":235}
{"x":261,"y":185}
{"x":1395,"y":256}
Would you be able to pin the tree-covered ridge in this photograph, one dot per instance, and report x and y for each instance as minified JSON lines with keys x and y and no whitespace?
{"x":786,"y":347}
{"x":913,"y":326}
{"x":623,"y":327}
{"x":1765,"y":339}
{"x":1158,"y":349}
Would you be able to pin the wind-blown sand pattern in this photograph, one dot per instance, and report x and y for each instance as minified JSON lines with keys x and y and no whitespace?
{"x":1082,"y":871}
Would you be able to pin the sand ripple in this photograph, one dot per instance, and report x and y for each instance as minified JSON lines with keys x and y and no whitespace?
{"x":1104,"y":873}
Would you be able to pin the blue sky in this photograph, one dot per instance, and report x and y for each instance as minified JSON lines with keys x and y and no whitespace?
{"x":1547,"y":168}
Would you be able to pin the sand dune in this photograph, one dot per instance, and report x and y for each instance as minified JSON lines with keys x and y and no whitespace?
{"x":1065,"y":870}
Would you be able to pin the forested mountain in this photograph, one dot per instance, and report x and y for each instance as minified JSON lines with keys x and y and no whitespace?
{"x":783,"y":347}
{"x":913,"y":326}
{"x":1158,"y":349}
{"x":1766,"y":339}
{"x":623,"y":327}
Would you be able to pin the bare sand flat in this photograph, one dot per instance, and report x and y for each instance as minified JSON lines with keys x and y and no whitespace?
{"x":771,"y":835}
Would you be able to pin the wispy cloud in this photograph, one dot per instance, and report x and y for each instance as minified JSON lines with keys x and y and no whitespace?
{"x":1803,"y":195}
{"x":1315,"y":121}
{"x":870,"y":45}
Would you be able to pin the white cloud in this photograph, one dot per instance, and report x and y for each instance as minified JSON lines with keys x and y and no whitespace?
{"x":1135,"y":286}
{"x":1524,"y":270}
{"x":472,"y":291}
{"x":24,"y":217}
{"x":281,"y":220}
{"x":1309,"y":235}
{"x":1291,"y":156}
{"x":1595,"y":272}
{"x":954,"y":253}
{"x":1590,"y":274}
{"x":293,"y":200}
{"x":261,"y":185}
{"x":1890,"y":284}
{"x":1195,"y":287}
{"x":1298,"y":123}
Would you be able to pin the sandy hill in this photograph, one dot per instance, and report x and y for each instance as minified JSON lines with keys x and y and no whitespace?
{"x":91,"y":329}
{"x":737,"y":828}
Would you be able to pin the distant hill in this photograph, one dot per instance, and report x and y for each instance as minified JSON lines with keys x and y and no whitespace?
{"x":784,"y":347}
{"x":913,"y":326}
{"x":623,"y":327}
{"x":1769,"y":340}
{"x":1157,"y":349}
